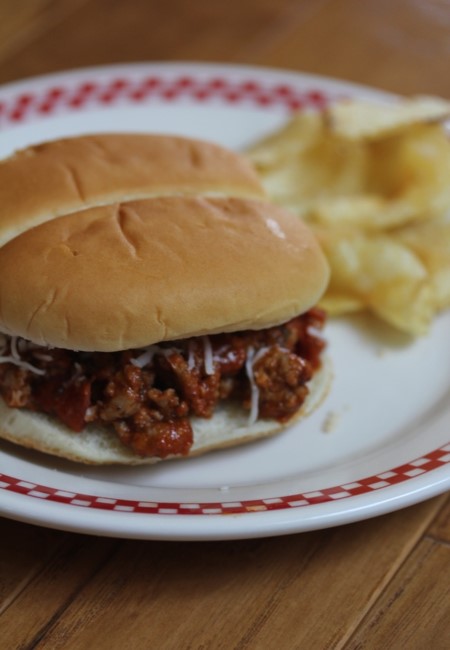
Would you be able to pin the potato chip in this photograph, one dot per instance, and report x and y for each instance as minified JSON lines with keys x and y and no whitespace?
{"x":380,"y":274}
{"x":337,"y":304}
{"x":412,"y":168}
{"x":364,"y":120}
{"x":406,"y":305}
{"x":330,"y":179}
{"x":430,"y":241}
{"x":284,"y":145}
{"x":366,"y":212}
{"x":300,"y":164}
{"x":372,"y":181}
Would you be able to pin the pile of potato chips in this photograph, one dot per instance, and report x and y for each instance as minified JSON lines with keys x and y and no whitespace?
{"x":373,"y":181}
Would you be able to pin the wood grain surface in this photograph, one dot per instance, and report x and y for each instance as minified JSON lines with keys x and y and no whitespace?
{"x":382,"y":583}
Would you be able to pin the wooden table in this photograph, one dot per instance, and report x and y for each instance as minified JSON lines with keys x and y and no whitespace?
{"x":383,"y":583}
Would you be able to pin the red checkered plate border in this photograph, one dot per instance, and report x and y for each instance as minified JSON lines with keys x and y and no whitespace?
{"x":35,"y":497}
{"x":58,"y":98}
{"x":419,"y":466}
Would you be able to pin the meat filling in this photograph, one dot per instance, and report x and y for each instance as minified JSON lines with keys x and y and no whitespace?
{"x":146,"y":397}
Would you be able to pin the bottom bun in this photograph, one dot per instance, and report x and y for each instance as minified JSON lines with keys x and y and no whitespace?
{"x":99,"y":446}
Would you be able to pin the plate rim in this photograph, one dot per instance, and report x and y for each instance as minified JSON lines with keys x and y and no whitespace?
{"x":203,"y":66}
{"x":223,"y":527}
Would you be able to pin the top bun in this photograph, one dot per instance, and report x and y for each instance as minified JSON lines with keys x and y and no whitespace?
{"x":201,"y":253}
{"x":56,"y":178}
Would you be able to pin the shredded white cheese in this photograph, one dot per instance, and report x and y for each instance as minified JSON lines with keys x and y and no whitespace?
{"x":14,"y":350}
{"x":253,"y":358}
{"x":17,"y":347}
{"x":208,"y":355}
{"x":191,"y":356}
{"x":42,"y":356}
{"x":254,"y":399}
{"x":22,"y":364}
{"x":146,"y":357}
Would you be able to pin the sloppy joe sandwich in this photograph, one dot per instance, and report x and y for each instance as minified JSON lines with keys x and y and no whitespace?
{"x":153,"y":303}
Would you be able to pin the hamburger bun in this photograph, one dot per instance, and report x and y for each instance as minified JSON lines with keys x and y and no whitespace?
{"x":117,"y":242}
{"x":55,"y":178}
{"x":161,"y":269}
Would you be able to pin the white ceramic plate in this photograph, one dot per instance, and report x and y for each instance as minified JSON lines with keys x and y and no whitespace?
{"x":388,"y":446}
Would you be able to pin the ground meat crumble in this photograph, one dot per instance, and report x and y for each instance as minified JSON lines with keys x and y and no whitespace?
{"x":147,"y":396}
